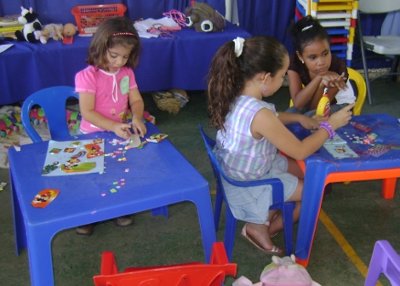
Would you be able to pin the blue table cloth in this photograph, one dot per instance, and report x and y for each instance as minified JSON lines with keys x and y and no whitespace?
{"x":180,"y":61}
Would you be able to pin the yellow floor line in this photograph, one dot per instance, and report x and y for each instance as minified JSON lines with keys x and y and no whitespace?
{"x":344,"y":244}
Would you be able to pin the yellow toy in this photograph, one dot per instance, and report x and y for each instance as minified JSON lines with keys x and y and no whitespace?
{"x":324,"y":105}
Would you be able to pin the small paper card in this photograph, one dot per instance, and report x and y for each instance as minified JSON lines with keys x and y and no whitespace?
{"x":335,"y":140}
{"x":340,"y":151}
{"x":155,"y":138}
{"x":44,"y":197}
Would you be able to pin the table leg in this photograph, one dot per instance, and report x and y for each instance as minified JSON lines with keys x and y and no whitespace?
{"x":388,"y":188}
{"x":314,"y":183}
{"x":19,"y":227}
{"x":40,"y":256}
{"x":203,"y":204}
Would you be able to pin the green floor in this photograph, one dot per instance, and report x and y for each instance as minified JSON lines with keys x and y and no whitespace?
{"x":356,"y":209}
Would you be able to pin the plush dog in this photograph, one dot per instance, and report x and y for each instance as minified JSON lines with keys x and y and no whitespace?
{"x":203,"y":18}
{"x":32,"y":26}
{"x":51,"y":31}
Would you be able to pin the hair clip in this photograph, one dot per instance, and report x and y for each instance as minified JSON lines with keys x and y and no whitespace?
{"x":122,"y":34}
{"x":239,"y":44}
{"x":306,"y":28}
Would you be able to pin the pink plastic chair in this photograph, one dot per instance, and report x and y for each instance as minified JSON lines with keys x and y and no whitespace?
{"x":384,"y":260}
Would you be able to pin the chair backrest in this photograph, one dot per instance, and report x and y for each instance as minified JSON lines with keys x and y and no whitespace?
{"x":277,"y":183}
{"x":381,"y":6}
{"x":53,"y":101}
{"x":187,"y":274}
{"x":384,"y":260}
{"x":361,"y":91}
{"x":359,"y":81}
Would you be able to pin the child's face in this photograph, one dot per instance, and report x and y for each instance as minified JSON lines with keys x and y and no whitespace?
{"x":117,"y":56}
{"x":317,"y":57}
{"x":276,"y":81}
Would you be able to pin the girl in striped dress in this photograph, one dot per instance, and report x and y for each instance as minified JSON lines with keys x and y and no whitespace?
{"x":251,"y":132}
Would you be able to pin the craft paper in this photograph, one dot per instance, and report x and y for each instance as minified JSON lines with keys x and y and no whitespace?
{"x":74,"y":157}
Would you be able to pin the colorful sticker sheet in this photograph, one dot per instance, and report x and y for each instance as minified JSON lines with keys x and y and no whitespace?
{"x":65,"y":158}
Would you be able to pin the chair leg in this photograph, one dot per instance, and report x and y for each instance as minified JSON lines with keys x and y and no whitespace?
{"x":217,"y":207}
{"x":160,"y":211}
{"x":287,"y":216}
{"x":374,"y":268}
{"x":230,"y":231}
{"x":394,"y":68}
{"x":364,"y":61}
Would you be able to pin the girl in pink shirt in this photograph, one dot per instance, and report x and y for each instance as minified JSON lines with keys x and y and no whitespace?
{"x":107,"y":87}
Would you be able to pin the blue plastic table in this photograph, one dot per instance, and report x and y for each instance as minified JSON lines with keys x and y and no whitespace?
{"x":159,"y":176}
{"x":321,"y":168}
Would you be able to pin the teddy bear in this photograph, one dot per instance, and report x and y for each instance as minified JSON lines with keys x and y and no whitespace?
{"x":58,"y":32}
{"x":203,"y":18}
{"x":32,"y":26}
{"x":68,"y":32}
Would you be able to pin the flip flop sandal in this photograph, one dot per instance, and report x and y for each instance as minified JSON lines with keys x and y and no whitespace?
{"x":273,"y":251}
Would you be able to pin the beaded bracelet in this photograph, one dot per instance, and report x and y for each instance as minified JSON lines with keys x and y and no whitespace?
{"x":328,"y":128}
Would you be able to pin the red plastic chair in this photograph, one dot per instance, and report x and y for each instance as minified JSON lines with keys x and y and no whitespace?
{"x":187,"y":274}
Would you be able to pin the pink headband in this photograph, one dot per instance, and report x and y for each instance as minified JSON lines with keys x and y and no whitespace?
{"x":123,"y":34}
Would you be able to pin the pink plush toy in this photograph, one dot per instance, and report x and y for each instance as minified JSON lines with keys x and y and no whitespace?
{"x":281,"y":272}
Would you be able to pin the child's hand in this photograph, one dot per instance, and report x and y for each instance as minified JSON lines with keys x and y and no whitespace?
{"x":309,"y":122}
{"x":139,"y":127}
{"x":320,"y":118}
{"x":341,"y":117}
{"x":122,"y":130}
{"x":332,"y":79}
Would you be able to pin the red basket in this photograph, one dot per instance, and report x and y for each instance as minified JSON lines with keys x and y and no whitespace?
{"x":88,"y":17}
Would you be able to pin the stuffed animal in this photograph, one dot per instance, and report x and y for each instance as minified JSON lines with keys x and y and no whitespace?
{"x":282,"y":271}
{"x":68,"y":32}
{"x":32,"y":26}
{"x":51,"y":31}
{"x":203,"y":18}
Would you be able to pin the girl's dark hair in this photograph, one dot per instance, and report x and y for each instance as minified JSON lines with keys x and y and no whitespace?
{"x":111,"y":32}
{"x":305,"y":31}
{"x":229,"y":73}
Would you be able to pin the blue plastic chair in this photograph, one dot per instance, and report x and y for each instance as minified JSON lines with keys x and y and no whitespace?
{"x":384,"y":260}
{"x":53,"y":101}
{"x":277,"y":196}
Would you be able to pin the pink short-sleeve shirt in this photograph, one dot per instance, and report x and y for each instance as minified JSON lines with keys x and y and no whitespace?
{"x":111,"y":92}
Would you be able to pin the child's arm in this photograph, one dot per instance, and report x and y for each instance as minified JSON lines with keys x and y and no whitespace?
{"x":267,"y":124}
{"x":87,"y":108}
{"x":306,"y":121}
{"x":303,"y":97}
{"x":137,"y":108}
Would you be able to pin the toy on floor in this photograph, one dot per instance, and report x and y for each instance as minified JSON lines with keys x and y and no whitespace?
{"x":171,"y":101}
{"x":32,"y":26}
{"x":281,"y":272}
